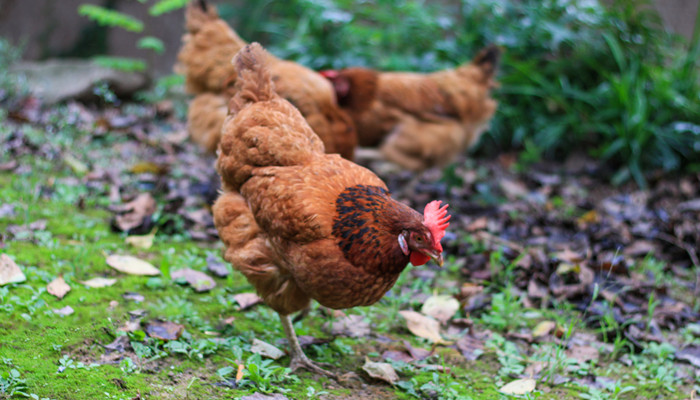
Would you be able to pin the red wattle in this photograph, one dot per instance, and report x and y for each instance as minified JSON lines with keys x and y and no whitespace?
{"x":418,"y":258}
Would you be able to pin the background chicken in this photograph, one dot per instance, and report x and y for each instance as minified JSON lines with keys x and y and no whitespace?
{"x":301,"y":224}
{"x":420,"y":120}
{"x":205,"y":60}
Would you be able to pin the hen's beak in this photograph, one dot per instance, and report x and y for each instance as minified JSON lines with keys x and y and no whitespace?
{"x":437,"y":257}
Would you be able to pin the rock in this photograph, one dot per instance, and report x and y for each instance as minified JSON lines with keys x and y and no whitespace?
{"x":62,"y":79}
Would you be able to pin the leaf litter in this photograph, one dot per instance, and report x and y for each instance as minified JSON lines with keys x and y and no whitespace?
{"x":530,"y":215}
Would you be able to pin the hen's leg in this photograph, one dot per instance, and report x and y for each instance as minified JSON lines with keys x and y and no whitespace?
{"x":299,"y":359}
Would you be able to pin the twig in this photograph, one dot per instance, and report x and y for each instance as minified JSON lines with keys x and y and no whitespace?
{"x":504,"y":242}
{"x":679,"y":243}
{"x":692,"y":253}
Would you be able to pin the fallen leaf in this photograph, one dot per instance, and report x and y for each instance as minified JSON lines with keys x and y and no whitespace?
{"x":131,"y":325}
{"x":513,"y":189}
{"x":99,"y":282}
{"x":266,"y":349}
{"x":422,"y":326}
{"x":239,"y":373}
{"x":260,"y":396}
{"x":519,"y":387}
{"x":133,"y":296}
{"x":442,"y":307}
{"x":164,"y":330}
{"x":590,"y":217}
{"x":469,"y":289}
{"x":416,"y":352}
{"x":534,"y":369}
{"x":146,"y":167}
{"x":543,"y":328}
{"x":65,"y":311}
{"x":76,"y":165}
{"x":350,"y":326}
{"x":216,"y":267}
{"x":247,"y":300}
{"x":470,"y":347}
{"x":9,"y":271}
{"x":58,"y":287}
{"x":200,"y":281}
{"x":569,"y":256}
{"x":141,"y":241}
{"x":7,"y":210}
{"x":136,"y":213}
{"x":396,"y":355}
{"x":383,"y":371}
{"x":583,"y":354}
{"x":690,"y":354}
{"x":120,"y":344}
{"x":131,"y":265}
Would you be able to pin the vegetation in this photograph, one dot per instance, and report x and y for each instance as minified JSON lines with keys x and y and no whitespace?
{"x":575,"y":75}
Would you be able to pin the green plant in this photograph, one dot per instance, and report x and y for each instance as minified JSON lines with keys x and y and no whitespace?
{"x":264,"y":375}
{"x":116,"y":19}
{"x":11,"y":384}
{"x":612,"y":391}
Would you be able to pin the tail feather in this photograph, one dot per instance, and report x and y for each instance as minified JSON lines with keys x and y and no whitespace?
{"x":199,"y":12}
{"x":254,"y":81}
{"x":487,"y":59}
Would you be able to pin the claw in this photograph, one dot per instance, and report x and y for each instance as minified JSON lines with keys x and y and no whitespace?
{"x":302,"y":362}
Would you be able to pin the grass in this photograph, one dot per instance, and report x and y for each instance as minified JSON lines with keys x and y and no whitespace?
{"x":44,"y":355}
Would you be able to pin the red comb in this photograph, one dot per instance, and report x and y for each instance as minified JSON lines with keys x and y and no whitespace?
{"x":436,"y":219}
{"x":329,"y":74}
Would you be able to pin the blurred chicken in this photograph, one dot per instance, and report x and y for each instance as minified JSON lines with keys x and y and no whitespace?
{"x":205,"y":60}
{"x":420,"y":120}
{"x":301,"y":224}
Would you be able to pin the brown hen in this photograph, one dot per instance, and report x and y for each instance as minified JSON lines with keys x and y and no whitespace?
{"x":205,"y":60}
{"x":301,"y":224}
{"x":420,"y":120}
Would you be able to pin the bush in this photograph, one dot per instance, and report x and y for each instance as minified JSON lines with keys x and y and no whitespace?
{"x":575,"y":75}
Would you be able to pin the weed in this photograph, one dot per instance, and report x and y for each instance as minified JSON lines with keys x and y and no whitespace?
{"x":265,"y":376}
{"x":612,"y":391}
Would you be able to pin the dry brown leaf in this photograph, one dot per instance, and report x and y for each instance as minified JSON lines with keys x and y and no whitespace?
{"x":260,"y":396}
{"x":164,"y":330}
{"x":9,"y":271}
{"x":543,"y":328}
{"x":383,"y":371}
{"x":396,"y":355}
{"x":266,"y":349}
{"x":519,"y":387}
{"x":247,"y":300}
{"x":469,"y":289}
{"x":442,"y":307}
{"x":350,"y":326}
{"x":583,"y":354}
{"x":422,"y":326}
{"x":99,"y":282}
{"x":569,"y":256}
{"x":131,"y":265}
{"x":58,"y":287}
{"x":65,"y":311}
{"x":470,"y":347}
{"x":141,"y":241}
{"x":200,"y":281}
{"x":135,"y":213}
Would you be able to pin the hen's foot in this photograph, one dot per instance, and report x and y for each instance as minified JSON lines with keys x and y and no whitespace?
{"x":302,"y":362}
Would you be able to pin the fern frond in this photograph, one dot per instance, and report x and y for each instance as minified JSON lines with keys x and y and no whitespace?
{"x":104,"y":16}
{"x":164,"y":6}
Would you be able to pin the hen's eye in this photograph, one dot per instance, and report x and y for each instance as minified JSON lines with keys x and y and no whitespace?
{"x":419,"y":239}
